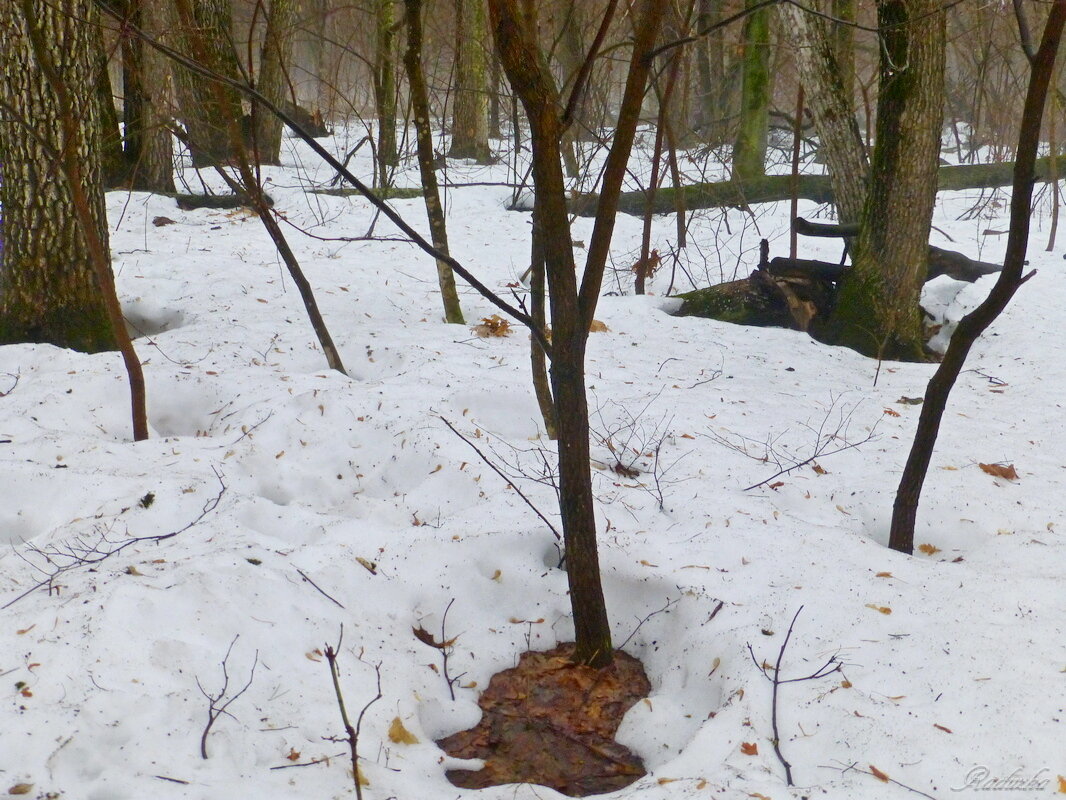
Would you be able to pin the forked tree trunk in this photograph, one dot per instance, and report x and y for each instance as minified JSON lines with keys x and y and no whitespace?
{"x":572,"y":306}
{"x":877,"y":311}
{"x":470,"y":117}
{"x":273,"y":81}
{"x":48,"y":286}
{"x":438,"y":229}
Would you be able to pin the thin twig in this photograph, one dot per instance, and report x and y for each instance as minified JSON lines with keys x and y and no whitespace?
{"x":320,"y":589}
{"x":214,"y":710}
{"x":351,"y":733}
{"x":510,"y":483}
{"x":776,"y":680}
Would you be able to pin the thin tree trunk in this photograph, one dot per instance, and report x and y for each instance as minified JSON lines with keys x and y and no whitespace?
{"x":385,"y":90}
{"x":424,"y":139}
{"x":905,"y":508}
{"x":572,"y":308}
{"x":107,"y":117}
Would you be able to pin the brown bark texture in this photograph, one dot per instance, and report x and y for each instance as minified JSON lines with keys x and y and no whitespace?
{"x":48,"y":287}
{"x":273,"y":82}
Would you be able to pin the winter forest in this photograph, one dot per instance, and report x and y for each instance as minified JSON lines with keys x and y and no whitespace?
{"x":505,"y":399}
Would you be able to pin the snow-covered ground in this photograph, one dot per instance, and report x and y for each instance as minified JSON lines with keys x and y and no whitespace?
{"x":303,"y":503}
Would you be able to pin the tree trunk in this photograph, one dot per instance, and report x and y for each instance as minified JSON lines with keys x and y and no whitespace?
{"x":208,"y":108}
{"x":521,"y":58}
{"x":878,"y":311}
{"x":831,"y":109}
{"x":572,"y":308}
{"x":970,"y":327}
{"x":48,"y":287}
{"x":385,"y":90}
{"x":110,"y":134}
{"x":470,"y":120}
{"x":749,"y":148}
{"x":147,"y":145}
{"x":273,"y":81}
{"x":424,"y":137}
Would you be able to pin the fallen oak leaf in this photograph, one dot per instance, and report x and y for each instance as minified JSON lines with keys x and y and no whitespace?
{"x":928,"y":549}
{"x":749,"y":748}
{"x":878,"y":774}
{"x":1005,"y":471}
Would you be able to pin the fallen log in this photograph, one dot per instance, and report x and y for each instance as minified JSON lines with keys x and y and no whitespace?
{"x":815,"y":188}
{"x":941,"y":262}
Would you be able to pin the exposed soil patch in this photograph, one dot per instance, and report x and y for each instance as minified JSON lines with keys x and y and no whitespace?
{"x":551,"y":722}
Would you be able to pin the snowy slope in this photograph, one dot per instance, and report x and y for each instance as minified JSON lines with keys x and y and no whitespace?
{"x":303,"y":503}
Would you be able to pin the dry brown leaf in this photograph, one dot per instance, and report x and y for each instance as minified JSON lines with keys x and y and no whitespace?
{"x":1062,"y":785}
{"x":314,"y":655}
{"x":1005,"y":471}
{"x":845,"y":684}
{"x":878,"y":774}
{"x":399,"y":734}
{"x":883,"y":609}
{"x":818,"y":469}
{"x":21,"y":788}
{"x":664,"y":781}
{"x":369,"y":566}
{"x":293,"y":754}
{"x":928,"y":549}
{"x":24,"y":631}
{"x":598,"y":327}
{"x":426,"y":637}
{"x":942,"y":728}
{"x":884,"y":575}
{"x":749,"y":748}
{"x":492,"y":326}
{"x":891,"y":413}
{"x":758,"y":796}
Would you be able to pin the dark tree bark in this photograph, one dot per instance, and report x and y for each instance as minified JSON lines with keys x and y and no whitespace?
{"x":438,"y":229}
{"x":905,"y":508}
{"x":208,"y":109}
{"x":48,"y":285}
{"x":273,"y":83}
{"x":113,"y":171}
{"x":572,"y":307}
{"x":147,"y":146}
{"x":384,"y":80}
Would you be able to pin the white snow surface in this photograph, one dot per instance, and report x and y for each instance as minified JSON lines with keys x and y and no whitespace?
{"x":302,"y":503}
